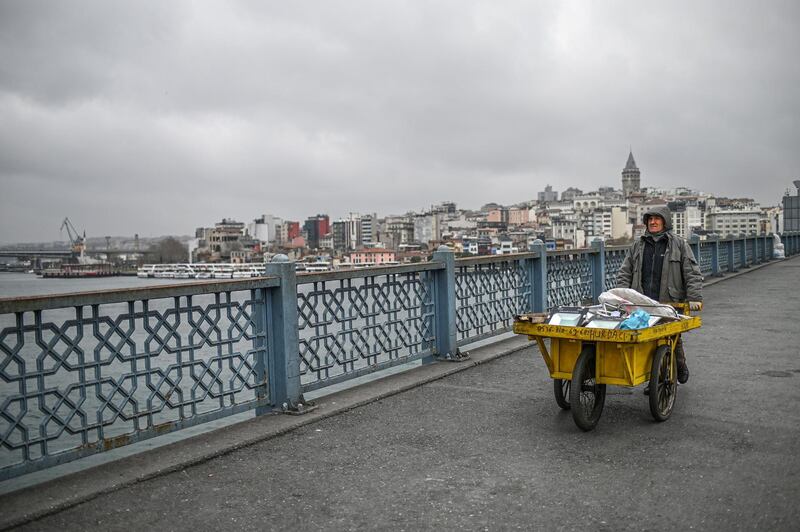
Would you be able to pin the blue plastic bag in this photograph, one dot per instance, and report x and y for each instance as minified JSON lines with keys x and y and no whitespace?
{"x":638,"y":319}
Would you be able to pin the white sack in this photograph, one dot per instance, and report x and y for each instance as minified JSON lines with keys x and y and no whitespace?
{"x":631,"y":300}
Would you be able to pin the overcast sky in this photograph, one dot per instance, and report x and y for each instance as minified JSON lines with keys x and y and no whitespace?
{"x":158,"y":117}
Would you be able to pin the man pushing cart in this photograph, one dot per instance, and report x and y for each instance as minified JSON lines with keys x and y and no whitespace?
{"x":632,"y":336}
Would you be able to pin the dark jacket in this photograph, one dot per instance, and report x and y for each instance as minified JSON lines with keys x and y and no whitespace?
{"x":680,"y":278}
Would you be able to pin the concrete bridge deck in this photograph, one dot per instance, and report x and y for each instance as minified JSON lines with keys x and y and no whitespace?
{"x":488,"y":449}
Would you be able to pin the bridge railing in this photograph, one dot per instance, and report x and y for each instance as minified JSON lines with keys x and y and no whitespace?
{"x":84,"y":373}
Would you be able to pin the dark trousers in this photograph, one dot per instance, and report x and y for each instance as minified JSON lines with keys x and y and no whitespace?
{"x":680,"y":355}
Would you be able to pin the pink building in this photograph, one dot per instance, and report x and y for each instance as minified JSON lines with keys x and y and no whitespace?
{"x":373,"y":256}
{"x":518,"y":216}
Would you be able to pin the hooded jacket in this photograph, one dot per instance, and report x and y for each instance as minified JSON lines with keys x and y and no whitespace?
{"x":681,"y":279}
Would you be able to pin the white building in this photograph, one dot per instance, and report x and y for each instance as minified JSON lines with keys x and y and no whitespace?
{"x":744,"y":220}
{"x":368,"y":230}
{"x":265,"y":227}
{"x":620,"y":223}
{"x":428,"y":228}
{"x":686,"y":218}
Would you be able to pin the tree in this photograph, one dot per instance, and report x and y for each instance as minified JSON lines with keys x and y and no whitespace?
{"x":170,"y":250}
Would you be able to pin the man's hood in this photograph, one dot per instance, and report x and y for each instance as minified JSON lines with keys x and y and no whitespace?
{"x":661,"y":210}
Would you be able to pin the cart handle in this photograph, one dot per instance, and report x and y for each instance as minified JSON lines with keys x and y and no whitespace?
{"x":682,"y":306}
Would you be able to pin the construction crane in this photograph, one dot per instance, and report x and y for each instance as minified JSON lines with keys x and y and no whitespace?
{"x":77,"y":242}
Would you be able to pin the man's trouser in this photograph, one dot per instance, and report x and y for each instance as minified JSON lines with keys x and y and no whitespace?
{"x":680,"y":356}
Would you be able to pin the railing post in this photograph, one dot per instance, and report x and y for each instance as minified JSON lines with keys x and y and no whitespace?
{"x":731,"y":255}
{"x":598,"y":269}
{"x":284,"y":353}
{"x":715,"y":257}
{"x":742,"y":252}
{"x":767,"y":254}
{"x":537,"y":273}
{"x":446,"y":344}
{"x":694,"y":243}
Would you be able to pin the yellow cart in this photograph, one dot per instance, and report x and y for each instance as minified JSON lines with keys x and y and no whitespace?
{"x":598,"y":357}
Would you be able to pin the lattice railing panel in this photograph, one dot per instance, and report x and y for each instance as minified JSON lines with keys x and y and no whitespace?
{"x":350,"y":325}
{"x":85,"y":378}
{"x":737,"y":254}
{"x":488,"y":296}
{"x":614,"y":260}
{"x":723,"y":257}
{"x":569,"y":279}
{"x":706,"y":250}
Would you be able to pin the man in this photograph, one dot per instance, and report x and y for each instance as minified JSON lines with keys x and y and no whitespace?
{"x":661,"y":266}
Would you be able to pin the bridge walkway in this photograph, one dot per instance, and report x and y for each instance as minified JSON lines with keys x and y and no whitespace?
{"x":487,"y":448}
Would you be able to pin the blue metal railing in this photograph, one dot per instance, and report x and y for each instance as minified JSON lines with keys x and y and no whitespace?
{"x":356,"y":322}
{"x":89,"y":372}
{"x":84,"y":373}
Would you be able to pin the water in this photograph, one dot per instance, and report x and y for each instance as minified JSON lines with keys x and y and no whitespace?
{"x":28,"y":284}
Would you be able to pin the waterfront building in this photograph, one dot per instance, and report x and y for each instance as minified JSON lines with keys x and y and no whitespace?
{"x":588,"y":202}
{"x":733,"y":219}
{"x":445,"y":207}
{"x":340,"y":230}
{"x":373,"y":256}
{"x":368,"y":230}
{"x":518,"y":216}
{"x":265,"y":228}
{"x":326,"y":241}
{"x":631,"y":177}
{"x":687,"y":218}
{"x":499,"y":214}
{"x":315,"y":228}
{"x":569,"y":194}
{"x":427,"y":228}
{"x":547,"y":195}
{"x":226,"y":236}
{"x":791,"y":211}
{"x":399,"y":230}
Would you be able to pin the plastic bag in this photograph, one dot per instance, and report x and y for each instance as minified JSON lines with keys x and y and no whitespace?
{"x":639,"y":319}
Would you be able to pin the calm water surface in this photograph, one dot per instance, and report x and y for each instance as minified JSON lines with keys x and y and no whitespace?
{"x":28,"y":284}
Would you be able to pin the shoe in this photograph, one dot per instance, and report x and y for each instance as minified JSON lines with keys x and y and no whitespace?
{"x":683,"y":372}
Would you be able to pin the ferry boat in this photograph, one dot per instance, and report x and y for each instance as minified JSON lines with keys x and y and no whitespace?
{"x":77,"y":271}
{"x":245,"y":271}
{"x":222,"y":271}
{"x":203,"y":271}
{"x":370,"y":264}
{"x":148,"y":270}
{"x":317,"y":267}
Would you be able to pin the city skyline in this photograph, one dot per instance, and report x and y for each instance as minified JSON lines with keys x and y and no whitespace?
{"x":154,"y":118}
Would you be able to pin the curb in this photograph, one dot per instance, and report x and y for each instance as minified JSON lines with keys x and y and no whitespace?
{"x":747,"y":269}
{"x":38,"y":501}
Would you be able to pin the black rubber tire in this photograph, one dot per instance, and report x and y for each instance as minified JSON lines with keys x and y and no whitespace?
{"x":586,"y":397}
{"x":561,"y":391}
{"x":663,"y":391}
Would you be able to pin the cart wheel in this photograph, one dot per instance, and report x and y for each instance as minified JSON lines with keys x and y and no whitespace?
{"x":662,"y":389}
{"x":561,"y":391}
{"x":586,"y":397}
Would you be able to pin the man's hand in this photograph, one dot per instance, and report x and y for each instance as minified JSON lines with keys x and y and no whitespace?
{"x":695,"y":305}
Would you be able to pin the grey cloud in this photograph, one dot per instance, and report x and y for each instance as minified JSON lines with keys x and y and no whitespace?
{"x":156,"y":117}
